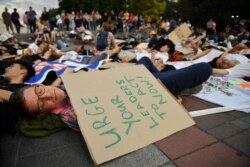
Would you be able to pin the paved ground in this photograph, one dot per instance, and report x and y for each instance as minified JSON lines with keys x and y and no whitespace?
{"x":218,"y":140}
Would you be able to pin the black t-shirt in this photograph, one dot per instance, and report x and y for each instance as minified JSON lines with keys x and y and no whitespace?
{"x":8,"y":119}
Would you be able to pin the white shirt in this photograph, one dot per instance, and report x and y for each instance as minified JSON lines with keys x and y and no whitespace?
{"x":33,"y":47}
{"x":239,"y":71}
{"x":241,"y":58}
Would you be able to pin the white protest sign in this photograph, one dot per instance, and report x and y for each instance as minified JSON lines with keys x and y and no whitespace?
{"x":180,"y":33}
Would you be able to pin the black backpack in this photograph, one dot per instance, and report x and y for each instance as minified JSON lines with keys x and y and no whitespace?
{"x":102,"y":40}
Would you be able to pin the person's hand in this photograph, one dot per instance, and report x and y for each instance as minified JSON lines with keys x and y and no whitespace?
{"x":47,"y":54}
{"x":68,"y":71}
{"x":116,"y":50}
{"x":53,"y":47}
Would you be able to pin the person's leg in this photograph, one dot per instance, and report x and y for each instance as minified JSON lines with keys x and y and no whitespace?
{"x":60,"y":44}
{"x":34,"y":27}
{"x":148,"y":64}
{"x":189,"y":77}
{"x":16,"y":27}
{"x":30,"y":26}
{"x":11,"y":27}
{"x":7,"y":27}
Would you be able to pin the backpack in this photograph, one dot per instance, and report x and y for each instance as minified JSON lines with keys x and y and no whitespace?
{"x":102,"y":40}
{"x":32,"y":17}
{"x":35,"y":127}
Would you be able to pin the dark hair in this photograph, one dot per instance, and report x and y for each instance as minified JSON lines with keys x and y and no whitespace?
{"x":171,"y":46}
{"x":17,"y":103}
{"x":213,"y":62}
{"x":162,"y":42}
{"x":106,"y":26}
{"x":25,"y":64}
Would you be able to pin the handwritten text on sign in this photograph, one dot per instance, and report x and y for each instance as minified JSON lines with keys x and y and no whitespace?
{"x":134,"y":89}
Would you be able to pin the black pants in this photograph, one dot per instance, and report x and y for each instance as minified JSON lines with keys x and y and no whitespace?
{"x":178,"y":80}
{"x":17,"y":25}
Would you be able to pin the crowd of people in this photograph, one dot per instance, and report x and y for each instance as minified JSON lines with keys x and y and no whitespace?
{"x":20,"y":100}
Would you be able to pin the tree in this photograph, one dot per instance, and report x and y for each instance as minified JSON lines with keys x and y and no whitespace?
{"x":89,"y":5}
{"x":153,"y":8}
{"x":199,"y":12}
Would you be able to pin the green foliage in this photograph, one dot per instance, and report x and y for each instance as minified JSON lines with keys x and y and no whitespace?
{"x":53,"y":12}
{"x":153,"y":8}
{"x":199,"y":12}
{"x":89,"y":5}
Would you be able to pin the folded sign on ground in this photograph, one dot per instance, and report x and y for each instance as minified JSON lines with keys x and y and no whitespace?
{"x":121,"y":110}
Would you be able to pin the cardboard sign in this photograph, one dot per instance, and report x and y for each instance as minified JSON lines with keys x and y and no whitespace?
{"x":123,"y":109}
{"x":180,"y":33}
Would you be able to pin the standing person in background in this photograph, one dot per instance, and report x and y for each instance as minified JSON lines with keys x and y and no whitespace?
{"x":59,"y":22}
{"x":211,"y":28}
{"x":72,"y":20}
{"x":45,"y":17}
{"x":25,"y":20}
{"x":214,"y":27}
{"x":15,"y":20}
{"x":32,"y":20}
{"x":66,"y":20}
{"x":7,"y":20}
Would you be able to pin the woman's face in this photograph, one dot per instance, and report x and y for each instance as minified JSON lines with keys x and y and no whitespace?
{"x":41,"y":99}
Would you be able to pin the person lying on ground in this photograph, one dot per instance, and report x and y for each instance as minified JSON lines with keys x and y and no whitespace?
{"x":237,"y":71}
{"x":14,"y":77}
{"x":119,"y":55}
{"x":195,"y":42}
{"x":36,"y":100}
{"x":225,"y":60}
{"x":166,"y":45}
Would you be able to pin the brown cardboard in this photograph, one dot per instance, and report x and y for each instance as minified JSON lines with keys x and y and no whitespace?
{"x":123,"y":109}
{"x":180,"y":33}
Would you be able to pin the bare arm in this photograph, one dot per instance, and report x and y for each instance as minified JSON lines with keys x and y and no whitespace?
{"x":200,"y":54}
{"x":58,"y":81}
{"x":220,"y":72}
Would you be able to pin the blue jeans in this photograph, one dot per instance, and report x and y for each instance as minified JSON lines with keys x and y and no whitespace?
{"x":178,"y":80}
{"x":61,"y":44}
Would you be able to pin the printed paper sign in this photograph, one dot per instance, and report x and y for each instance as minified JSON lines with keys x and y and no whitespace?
{"x":226,"y":91}
{"x":123,"y":109}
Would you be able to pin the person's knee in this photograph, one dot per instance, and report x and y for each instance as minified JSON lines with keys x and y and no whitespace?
{"x":204,"y":69}
{"x":144,"y":59}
